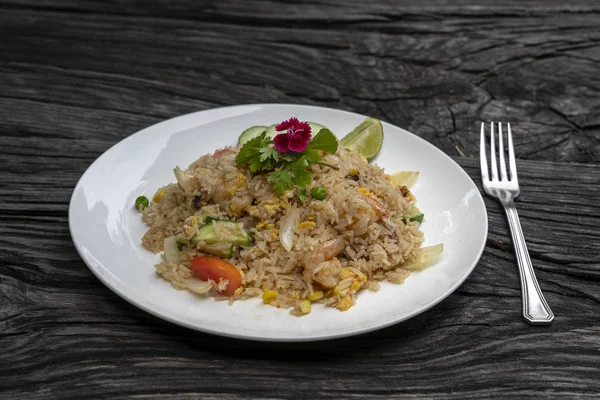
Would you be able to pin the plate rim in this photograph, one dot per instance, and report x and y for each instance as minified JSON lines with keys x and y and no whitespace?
{"x":253,"y":337}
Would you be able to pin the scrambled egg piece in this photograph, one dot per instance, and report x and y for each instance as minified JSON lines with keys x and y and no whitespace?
{"x":191,"y":223}
{"x":306,"y":226}
{"x":272,"y":208}
{"x":344,"y":304}
{"x":366,"y":192}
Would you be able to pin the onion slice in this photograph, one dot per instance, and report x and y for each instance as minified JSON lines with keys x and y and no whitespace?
{"x":171,"y":250}
{"x":286,"y":229}
{"x":182,"y":178}
{"x":197,"y":286}
{"x":405,"y":178}
{"x":428,"y":254}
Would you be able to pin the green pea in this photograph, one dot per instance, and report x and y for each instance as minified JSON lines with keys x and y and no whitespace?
{"x":141,"y":201}
{"x":318,"y":193}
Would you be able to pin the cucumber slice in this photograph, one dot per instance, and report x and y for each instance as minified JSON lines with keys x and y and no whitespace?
{"x":222,"y":249}
{"x":271,"y":132}
{"x":314,"y":129}
{"x":416,"y":217}
{"x":251,"y":133}
{"x":220,"y":231}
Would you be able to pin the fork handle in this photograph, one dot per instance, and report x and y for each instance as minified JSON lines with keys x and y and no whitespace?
{"x":535,"y":309}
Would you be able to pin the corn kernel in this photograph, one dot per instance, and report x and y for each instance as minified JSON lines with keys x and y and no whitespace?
{"x":259,"y":226}
{"x":344,"y":304}
{"x":340,"y":292}
{"x":158,"y":195}
{"x":308,"y":225}
{"x":317,"y":294}
{"x":304,"y":306}
{"x":355,"y":286}
{"x":310,"y":217}
{"x":269,"y":296}
{"x":353,"y":172}
{"x":274,"y":235}
{"x":270,"y":226}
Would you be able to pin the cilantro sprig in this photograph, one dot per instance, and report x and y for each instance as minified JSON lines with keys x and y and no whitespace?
{"x":287,"y":170}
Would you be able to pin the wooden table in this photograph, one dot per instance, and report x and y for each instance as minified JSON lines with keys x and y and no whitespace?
{"x":77,"y":77}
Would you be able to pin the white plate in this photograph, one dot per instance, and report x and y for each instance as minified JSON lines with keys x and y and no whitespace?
{"x":107,"y":230}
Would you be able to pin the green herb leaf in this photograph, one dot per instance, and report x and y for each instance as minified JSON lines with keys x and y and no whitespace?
{"x":255,"y":166}
{"x":269,"y":157}
{"x":302,"y":194}
{"x":325,"y":141}
{"x":289,"y":170}
{"x":250,"y":153}
{"x":312,"y":156}
{"x":269,"y":152}
{"x":281,"y":181}
{"x":289,"y":156}
{"x":301,"y":175}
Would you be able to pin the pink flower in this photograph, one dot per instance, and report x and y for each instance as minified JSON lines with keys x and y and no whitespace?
{"x":295,"y":138}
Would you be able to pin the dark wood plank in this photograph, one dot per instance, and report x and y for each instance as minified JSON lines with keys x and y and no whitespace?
{"x":59,"y":325}
{"x":76,"y":77}
{"x":437,"y":71}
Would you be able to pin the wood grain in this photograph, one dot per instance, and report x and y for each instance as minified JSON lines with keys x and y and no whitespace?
{"x":76,"y":77}
{"x":437,"y":70}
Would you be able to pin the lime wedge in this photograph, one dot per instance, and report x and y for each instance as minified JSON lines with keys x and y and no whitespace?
{"x":365,"y":139}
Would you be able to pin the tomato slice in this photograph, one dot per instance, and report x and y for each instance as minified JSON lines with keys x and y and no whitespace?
{"x":206,"y":268}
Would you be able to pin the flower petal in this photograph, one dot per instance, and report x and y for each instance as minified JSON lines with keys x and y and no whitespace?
{"x":283,"y":126}
{"x":304,"y":131}
{"x":297,"y":143}
{"x":281,"y":142}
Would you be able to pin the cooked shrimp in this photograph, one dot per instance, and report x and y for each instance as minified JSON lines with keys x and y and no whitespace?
{"x":328,"y":273}
{"x":221,"y":152}
{"x":375,"y":205}
{"x":333,"y":247}
{"x":313,"y":262}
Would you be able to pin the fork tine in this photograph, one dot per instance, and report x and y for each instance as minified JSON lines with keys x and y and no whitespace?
{"x":494,"y":168}
{"x":482,"y":156}
{"x":501,"y":153}
{"x":511,"y":157}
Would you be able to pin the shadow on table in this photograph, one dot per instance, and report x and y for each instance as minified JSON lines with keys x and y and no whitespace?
{"x":409,"y":333}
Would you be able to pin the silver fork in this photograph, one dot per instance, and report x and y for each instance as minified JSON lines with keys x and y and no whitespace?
{"x":505,"y":189}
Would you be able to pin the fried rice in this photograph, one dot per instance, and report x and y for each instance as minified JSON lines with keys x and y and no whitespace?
{"x":356,"y":237}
